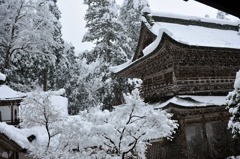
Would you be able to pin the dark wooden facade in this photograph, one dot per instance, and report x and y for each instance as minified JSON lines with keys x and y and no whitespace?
{"x":202,"y":134}
{"x":9,"y":149}
{"x":174,"y":68}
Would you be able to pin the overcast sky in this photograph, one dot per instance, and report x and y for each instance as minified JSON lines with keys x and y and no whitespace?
{"x":73,"y":11}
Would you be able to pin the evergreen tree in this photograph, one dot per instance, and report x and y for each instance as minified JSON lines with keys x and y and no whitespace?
{"x":234,"y":107}
{"x":26,"y":36}
{"x":70,"y":74}
{"x":107,"y":33}
{"x":130,"y":16}
{"x":51,"y":73}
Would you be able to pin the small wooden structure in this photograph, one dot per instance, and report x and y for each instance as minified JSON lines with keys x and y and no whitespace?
{"x":9,"y":103}
{"x":188,"y":56}
{"x":9,"y":149}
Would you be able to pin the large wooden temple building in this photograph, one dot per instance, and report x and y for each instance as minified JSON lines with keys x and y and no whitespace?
{"x":188,"y":66}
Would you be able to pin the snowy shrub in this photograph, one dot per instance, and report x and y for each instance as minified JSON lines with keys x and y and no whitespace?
{"x":126,"y":130}
{"x":45,"y":110}
{"x":234,"y":106}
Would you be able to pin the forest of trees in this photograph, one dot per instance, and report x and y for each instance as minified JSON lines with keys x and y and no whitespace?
{"x":34,"y":54}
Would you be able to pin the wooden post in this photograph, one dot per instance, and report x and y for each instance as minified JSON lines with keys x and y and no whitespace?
{"x":11,"y":114}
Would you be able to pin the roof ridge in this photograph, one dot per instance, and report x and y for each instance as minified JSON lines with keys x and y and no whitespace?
{"x":193,"y":20}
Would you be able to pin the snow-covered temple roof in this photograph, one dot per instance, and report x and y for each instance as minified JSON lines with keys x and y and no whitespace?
{"x":7,"y":93}
{"x":199,"y":35}
{"x":221,"y":36}
{"x":17,"y":135}
{"x":194,"y":101}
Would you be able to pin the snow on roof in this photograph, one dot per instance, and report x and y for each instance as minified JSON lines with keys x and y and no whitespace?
{"x":2,"y":77}
{"x":189,"y":35}
{"x":20,"y":136}
{"x":7,"y":93}
{"x":118,"y":68}
{"x":234,"y":21}
{"x":194,"y":101}
{"x":15,"y":134}
{"x":198,"y":35}
{"x":60,"y":103}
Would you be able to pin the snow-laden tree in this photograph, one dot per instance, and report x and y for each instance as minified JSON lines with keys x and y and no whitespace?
{"x":28,"y":41}
{"x":105,"y":30}
{"x":41,"y":109}
{"x":130,"y":16}
{"x":71,"y":72}
{"x":127,"y":130}
{"x":234,"y":106}
{"x":124,"y":132}
{"x":50,"y":73}
{"x":16,"y":30}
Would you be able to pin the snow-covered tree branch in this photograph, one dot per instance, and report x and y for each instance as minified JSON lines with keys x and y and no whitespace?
{"x":234,"y":106}
{"x":39,"y":109}
{"x":121,"y":133}
{"x":126,"y":130}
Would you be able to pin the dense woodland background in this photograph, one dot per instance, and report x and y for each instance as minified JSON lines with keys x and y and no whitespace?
{"x":34,"y":55}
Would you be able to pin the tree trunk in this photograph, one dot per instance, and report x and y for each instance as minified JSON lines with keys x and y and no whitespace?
{"x":7,"y":61}
{"x":45,"y":79}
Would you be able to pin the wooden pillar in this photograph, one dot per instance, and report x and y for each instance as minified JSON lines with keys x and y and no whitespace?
{"x":11,"y":114}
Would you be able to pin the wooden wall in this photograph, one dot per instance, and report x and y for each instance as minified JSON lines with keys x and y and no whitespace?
{"x":202,"y":134}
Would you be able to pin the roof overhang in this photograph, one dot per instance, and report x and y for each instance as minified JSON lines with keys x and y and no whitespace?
{"x":7,"y":144}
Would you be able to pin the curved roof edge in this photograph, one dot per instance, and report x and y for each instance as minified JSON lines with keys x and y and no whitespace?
{"x":157,"y":45}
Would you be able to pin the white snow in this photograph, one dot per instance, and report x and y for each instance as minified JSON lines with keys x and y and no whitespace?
{"x":194,"y":101}
{"x":237,"y":81}
{"x":90,"y":130}
{"x":118,"y":68}
{"x":7,"y":93}
{"x":150,"y":48}
{"x":2,"y":77}
{"x":146,"y":10}
{"x":20,"y":135}
{"x":195,"y":18}
{"x":15,"y":134}
{"x":199,"y":36}
{"x":60,"y":103}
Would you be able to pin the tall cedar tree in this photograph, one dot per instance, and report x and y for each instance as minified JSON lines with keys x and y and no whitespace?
{"x":66,"y":71}
{"x":26,"y":37}
{"x":109,"y":35}
{"x":130,"y":16}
